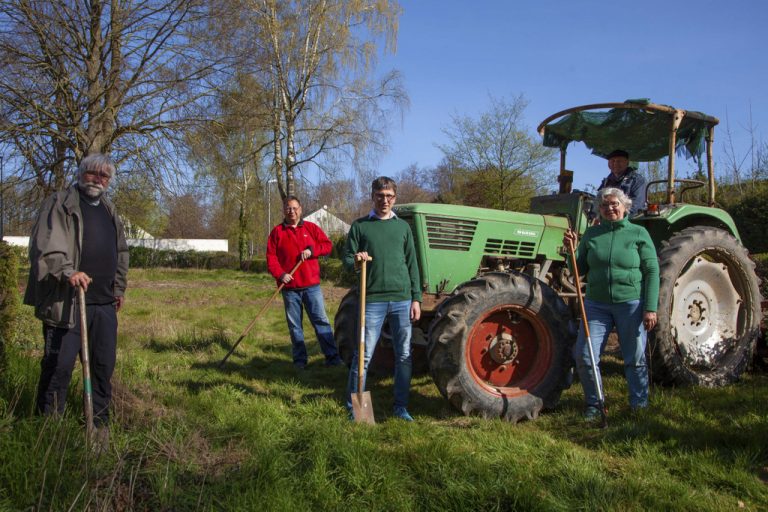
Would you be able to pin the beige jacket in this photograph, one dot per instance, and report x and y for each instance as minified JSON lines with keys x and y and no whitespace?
{"x":54,"y":255}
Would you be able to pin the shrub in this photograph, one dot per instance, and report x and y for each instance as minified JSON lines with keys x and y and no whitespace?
{"x":256,"y":265}
{"x":331,"y":269}
{"x":761,"y":269}
{"x":9,"y":296}
{"x":338,"y":246}
{"x":145,"y":257}
{"x":750,"y":213}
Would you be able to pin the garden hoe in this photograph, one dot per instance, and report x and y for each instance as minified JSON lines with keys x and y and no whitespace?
{"x":84,"y":359}
{"x":592,"y":360}
{"x":250,"y":325}
{"x":362,"y":408}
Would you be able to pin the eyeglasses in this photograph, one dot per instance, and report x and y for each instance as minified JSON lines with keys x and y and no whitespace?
{"x":292,"y":208}
{"x":610,"y":204}
{"x":384,"y":197}
{"x":98,"y":175}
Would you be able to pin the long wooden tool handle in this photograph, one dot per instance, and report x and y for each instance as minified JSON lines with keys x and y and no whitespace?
{"x":253,"y":322}
{"x":572,"y":251}
{"x":361,"y":323}
{"x":85,"y":359}
{"x":592,"y":357}
{"x":361,"y":336}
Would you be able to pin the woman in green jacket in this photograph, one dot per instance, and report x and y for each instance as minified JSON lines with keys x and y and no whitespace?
{"x":622,"y":270}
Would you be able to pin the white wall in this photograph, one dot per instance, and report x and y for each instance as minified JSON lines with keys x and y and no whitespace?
{"x":21,"y":241}
{"x":168,"y":244}
{"x":181,"y":244}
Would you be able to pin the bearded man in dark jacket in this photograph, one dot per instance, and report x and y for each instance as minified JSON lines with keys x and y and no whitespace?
{"x":78,"y":241}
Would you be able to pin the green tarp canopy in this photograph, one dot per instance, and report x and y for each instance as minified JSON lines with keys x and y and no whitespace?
{"x":644,"y":134}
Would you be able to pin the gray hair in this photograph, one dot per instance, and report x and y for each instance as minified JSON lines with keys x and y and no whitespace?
{"x":96,"y":162}
{"x":617,"y":193}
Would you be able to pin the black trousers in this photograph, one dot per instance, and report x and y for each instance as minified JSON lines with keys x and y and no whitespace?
{"x":62,"y":347}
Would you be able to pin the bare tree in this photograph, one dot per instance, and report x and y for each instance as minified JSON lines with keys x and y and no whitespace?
{"x":187,"y":217}
{"x":226,"y":151}
{"x":498,"y":159}
{"x":324,"y":106}
{"x":119,"y":76}
{"x":414,"y":185}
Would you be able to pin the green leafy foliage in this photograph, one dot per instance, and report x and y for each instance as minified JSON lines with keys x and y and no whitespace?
{"x":750,"y":212}
{"x":9,"y":297}
{"x":144,"y":257}
{"x":494,"y":160}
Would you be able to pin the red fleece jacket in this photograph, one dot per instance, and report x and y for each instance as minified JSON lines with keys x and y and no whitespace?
{"x":284,"y":247}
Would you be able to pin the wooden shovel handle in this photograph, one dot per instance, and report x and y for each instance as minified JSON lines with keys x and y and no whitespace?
{"x":361,"y":323}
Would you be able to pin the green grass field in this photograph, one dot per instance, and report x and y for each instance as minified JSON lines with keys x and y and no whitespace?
{"x":260,"y":435}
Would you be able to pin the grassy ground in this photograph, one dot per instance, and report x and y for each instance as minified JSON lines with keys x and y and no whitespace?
{"x":260,"y":435}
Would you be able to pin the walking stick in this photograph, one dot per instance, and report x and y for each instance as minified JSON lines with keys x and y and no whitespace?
{"x":592,"y":360}
{"x":250,"y":325}
{"x":84,"y":358}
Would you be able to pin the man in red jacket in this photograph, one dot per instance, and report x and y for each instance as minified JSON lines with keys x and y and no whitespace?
{"x":293,"y":240}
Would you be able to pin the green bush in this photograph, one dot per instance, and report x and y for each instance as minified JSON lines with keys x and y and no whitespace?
{"x":9,"y":296}
{"x":761,"y":269}
{"x":144,"y":257}
{"x":338,"y":246}
{"x":22,"y":253}
{"x":750,"y":213}
{"x":257,"y":265}
{"x":331,"y":269}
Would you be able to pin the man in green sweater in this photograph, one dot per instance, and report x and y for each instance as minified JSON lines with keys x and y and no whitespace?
{"x":393,"y":292}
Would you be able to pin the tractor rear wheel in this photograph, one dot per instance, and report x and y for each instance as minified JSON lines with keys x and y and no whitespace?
{"x":709,"y":309}
{"x":345,"y":326}
{"x":346,"y":332}
{"x":499,"y":347}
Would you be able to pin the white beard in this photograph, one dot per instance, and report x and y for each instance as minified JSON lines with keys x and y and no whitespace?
{"x":92,"y":190}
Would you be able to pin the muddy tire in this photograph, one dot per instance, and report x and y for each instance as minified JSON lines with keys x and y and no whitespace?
{"x":345,"y":326}
{"x":346,"y":332}
{"x":709,"y":309}
{"x":500,"y":347}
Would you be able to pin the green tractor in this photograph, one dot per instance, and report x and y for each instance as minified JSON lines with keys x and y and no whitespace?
{"x":499,"y":314}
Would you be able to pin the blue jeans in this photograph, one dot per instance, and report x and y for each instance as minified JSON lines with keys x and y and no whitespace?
{"x":627,"y":317}
{"x":399,"y":316}
{"x":311,"y":299}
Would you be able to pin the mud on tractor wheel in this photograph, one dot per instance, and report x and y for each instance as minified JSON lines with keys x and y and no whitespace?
{"x":709,"y":309}
{"x":500,"y":347}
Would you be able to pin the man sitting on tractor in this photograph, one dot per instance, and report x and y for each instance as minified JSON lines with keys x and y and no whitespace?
{"x":626,"y":178}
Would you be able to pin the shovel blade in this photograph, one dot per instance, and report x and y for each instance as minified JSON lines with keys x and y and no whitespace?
{"x":362,"y":408}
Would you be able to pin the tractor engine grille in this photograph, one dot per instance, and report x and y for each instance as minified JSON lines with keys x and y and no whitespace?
{"x":510,"y":248}
{"x":450,"y":234}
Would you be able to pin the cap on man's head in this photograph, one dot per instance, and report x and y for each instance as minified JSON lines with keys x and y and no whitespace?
{"x":617,"y":152}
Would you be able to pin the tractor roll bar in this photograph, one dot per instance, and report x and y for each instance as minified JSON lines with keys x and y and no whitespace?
{"x":677,"y":116}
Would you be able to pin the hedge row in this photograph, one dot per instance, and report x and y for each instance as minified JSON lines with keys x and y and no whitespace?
{"x":9,"y":296}
{"x":143,"y":257}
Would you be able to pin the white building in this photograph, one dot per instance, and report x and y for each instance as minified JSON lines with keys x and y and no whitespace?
{"x":331,"y":224}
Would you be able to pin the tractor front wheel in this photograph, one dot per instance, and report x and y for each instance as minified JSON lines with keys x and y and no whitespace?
{"x":499,"y":347}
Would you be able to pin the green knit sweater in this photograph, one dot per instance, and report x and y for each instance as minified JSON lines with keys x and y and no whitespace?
{"x":620,"y":263}
{"x":393,"y":275}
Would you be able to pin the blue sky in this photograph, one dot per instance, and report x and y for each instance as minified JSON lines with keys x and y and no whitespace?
{"x":705,"y":55}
